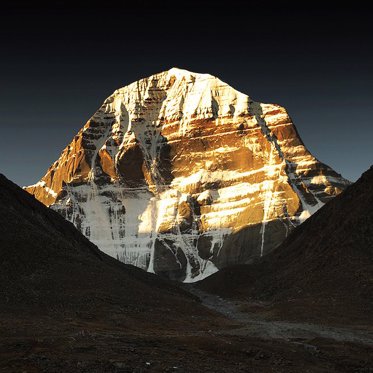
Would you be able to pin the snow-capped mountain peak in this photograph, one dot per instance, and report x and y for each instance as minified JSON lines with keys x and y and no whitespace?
{"x":181,"y":174}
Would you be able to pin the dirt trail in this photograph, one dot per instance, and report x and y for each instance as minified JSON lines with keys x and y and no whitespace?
{"x":253,"y":325}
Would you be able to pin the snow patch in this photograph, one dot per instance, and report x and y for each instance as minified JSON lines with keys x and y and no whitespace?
{"x":304,"y":216}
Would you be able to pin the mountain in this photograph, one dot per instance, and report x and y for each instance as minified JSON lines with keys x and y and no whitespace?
{"x":323,"y":270}
{"x":181,"y":175}
{"x":49,"y":268}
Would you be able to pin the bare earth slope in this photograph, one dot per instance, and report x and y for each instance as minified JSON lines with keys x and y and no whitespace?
{"x":180,"y":174}
{"x":323,"y":271}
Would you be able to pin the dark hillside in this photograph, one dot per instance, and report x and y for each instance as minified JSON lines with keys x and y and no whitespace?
{"x":324,"y":268}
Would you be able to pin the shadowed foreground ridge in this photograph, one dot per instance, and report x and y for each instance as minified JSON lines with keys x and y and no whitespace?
{"x":324,"y":269}
{"x":48,"y":265}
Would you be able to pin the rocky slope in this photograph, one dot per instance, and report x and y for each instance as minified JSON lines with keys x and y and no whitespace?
{"x":322,"y":271}
{"x":182,"y":175}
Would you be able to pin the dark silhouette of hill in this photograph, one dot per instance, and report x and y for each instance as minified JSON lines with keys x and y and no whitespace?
{"x":323,"y":270}
{"x":48,"y":266}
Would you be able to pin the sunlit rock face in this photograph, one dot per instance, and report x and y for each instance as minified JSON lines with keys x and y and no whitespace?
{"x":181,"y":175}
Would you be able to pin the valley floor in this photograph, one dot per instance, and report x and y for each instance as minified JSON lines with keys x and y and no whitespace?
{"x":229,"y":339}
{"x":254,"y":325}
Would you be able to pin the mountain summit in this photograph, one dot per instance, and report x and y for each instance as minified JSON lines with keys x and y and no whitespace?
{"x":180,"y":174}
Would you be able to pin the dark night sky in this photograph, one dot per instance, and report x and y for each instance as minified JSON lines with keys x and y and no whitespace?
{"x":59,"y":63}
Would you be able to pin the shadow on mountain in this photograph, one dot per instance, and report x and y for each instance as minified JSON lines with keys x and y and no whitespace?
{"x":245,"y":245}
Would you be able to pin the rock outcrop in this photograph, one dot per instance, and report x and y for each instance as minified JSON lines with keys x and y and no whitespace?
{"x":181,"y":175}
